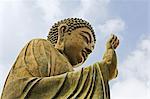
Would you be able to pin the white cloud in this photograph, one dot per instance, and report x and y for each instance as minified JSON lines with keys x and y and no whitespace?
{"x":92,"y":10}
{"x":112,"y":26}
{"x":95,"y":10}
{"x":134,"y":75}
{"x":139,"y":60}
{"x":51,"y":9}
{"x":129,"y":89}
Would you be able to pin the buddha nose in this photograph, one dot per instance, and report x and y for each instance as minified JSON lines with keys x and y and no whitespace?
{"x":90,"y":46}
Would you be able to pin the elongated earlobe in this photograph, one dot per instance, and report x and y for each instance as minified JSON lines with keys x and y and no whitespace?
{"x":62,"y":29}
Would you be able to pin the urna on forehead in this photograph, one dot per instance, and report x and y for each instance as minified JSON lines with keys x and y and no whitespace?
{"x":72,"y":23}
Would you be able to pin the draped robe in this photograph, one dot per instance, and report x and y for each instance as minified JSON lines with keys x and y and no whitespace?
{"x":42,"y":72}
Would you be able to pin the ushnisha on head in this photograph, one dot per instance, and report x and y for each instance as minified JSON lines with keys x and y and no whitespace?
{"x":74,"y":38}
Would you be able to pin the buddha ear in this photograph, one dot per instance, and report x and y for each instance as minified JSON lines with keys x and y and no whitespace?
{"x":60,"y":41}
{"x":62,"y":28}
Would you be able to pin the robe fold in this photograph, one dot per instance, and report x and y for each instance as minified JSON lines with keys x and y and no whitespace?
{"x":41,"y":72}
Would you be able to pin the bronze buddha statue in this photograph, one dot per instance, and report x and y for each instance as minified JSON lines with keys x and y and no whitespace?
{"x":44,"y":69}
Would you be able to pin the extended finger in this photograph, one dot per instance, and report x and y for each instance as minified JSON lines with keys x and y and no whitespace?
{"x":111,"y":38}
{"x":114,"y":40}
{"x":116,"y":44}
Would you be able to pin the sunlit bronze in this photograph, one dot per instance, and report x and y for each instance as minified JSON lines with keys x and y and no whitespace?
{"x":44,"y":69}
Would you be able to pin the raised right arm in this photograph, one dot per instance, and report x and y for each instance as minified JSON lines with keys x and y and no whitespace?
{"x":110,"y":57}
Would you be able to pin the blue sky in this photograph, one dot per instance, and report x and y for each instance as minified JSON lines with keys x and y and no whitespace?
{"x":23,"y":20}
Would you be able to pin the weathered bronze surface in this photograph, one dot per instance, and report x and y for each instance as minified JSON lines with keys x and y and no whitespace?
{"x":44,"y":69}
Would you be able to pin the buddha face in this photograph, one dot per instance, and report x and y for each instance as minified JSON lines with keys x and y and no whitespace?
{"x":78,"y":45}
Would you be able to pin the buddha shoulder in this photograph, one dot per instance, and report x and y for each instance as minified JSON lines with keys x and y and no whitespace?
{"x":40,"y":42}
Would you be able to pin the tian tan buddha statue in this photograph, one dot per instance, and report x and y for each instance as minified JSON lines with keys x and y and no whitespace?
{"x":44,"y":69}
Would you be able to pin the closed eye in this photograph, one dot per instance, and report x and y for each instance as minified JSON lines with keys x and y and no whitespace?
{"x":88,"y":36}
{"x":85,"y":38}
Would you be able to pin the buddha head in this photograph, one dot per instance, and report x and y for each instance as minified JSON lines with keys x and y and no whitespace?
{"x":74,"y":38}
